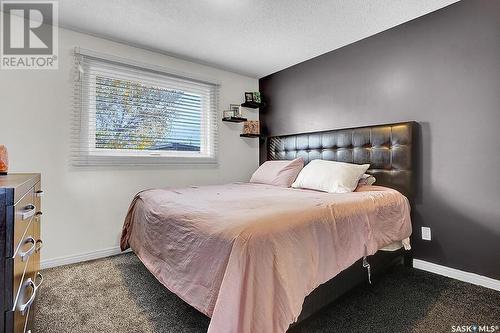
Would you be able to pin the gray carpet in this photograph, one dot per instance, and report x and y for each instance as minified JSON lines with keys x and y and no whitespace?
{"x":118,"y":294}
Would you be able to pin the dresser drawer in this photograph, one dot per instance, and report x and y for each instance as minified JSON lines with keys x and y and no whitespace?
{"x":23,"y":263}
{"x":23,"y":311}
{"x":24,"y":212}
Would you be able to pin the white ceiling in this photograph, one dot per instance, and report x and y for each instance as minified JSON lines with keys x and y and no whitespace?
{"x":252,"y":37}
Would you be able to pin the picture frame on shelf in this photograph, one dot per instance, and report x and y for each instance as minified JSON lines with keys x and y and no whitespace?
{"x":253,"y":100}
{"x":249,"y":97}
{"x":236,"y":109}
{"x":256,"y":97}
{"x":228,"y":114}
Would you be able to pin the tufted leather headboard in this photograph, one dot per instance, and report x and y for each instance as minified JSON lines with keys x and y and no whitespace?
{"x":389,"y":149}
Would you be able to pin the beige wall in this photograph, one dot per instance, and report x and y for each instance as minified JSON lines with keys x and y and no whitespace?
{"x":84,"y":208}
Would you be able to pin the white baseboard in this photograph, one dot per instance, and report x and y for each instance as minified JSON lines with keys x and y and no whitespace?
{"x":457,"y":274}
{"x":418,"y":264}
{"x":112,"y":251}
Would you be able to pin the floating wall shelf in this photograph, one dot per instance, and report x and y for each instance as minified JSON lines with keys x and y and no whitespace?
{"x":234,"y":119}
{"x":250,"y":135}
{"x":252,"y":105}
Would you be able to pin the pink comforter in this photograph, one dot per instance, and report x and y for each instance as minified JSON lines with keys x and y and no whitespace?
{"x":247,"y":255}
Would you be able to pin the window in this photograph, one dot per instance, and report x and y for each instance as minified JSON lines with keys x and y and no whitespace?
{"x":135,"y":114}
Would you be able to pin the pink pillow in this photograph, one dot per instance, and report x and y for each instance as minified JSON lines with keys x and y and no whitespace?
{"x":278,"y":173}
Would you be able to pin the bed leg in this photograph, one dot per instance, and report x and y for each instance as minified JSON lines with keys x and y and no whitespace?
{"x":408,"y":259}
{"x":368,"y":269}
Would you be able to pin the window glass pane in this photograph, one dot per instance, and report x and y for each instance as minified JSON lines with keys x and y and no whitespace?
{"x":134,"y":116}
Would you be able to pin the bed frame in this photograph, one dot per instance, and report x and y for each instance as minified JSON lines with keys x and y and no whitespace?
{"x":390,"y":149}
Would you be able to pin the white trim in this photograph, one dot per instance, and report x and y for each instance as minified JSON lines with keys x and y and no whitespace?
{"x":457,"y":274}
{"x":98,"y":254}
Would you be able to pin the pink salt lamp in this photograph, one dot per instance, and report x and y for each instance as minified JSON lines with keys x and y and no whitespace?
{"x":4,"y":160}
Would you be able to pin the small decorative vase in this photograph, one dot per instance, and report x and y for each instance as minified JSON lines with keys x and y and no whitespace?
{"x":251,"y":127}
{"x":4,"y":160}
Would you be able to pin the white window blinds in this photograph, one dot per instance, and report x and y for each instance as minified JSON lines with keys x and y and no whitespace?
{"x":129,"y":113}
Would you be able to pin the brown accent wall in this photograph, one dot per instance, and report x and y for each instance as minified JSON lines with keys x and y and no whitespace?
{"x":442,"y":70}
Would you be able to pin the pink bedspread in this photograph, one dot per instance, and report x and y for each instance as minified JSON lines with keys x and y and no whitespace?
{"x":247,"y":255}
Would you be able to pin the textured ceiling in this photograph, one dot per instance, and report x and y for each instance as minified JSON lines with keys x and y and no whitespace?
{"x":255,"y":38}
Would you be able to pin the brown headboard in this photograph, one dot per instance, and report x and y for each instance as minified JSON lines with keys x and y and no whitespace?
{"x":389,"y":149}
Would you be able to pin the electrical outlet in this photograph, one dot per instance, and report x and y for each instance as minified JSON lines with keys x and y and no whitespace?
{"x":426,"y":233}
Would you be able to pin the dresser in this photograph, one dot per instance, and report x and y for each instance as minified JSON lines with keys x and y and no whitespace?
{"x":20,"y":245}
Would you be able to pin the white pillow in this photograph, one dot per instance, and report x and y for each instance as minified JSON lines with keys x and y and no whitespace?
{"x":278,"y":173}
{"x":330,"y":176}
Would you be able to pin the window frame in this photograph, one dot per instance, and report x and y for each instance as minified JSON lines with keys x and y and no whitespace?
{"x":86,"y":152}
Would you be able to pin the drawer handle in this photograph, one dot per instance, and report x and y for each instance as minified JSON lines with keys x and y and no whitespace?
{"x":23,"y":308}
{"x":26,"y":254}
{"x":39,"y":193}
{"x":28,"y":212}
{"x":39,"y":245}
{"x":39,"y":275}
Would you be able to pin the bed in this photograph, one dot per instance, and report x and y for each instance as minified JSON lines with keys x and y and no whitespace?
{"x":258,"y":258}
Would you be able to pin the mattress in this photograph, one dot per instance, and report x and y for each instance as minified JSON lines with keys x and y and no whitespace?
{"x":247,"y":255}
